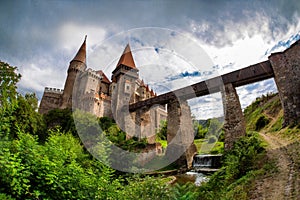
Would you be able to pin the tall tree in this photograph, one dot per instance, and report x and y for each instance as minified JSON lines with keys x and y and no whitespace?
{"x":8,"y":97}
{"x":26,"y":118}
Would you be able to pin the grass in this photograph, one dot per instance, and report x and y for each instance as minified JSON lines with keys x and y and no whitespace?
{"x":204,"y":147}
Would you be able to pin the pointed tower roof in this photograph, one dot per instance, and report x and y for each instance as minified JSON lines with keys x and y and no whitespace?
{"x":152,"y":92}
{"x":142,"y":83}
{"x":147,"y":88}
{"x":81,"y":54}
{"x":126,"y":58}
{"x":104,"y":77}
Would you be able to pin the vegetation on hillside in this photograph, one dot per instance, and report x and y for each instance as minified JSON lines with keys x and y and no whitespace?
{"x":42,"y":157}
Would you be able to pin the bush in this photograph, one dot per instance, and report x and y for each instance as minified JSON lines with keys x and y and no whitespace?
{"x":261,"y":122}
{"x":161,"y":134}
{"x":59,"y":169}
{"x":146,"y":188}
{"x":240,"y":165}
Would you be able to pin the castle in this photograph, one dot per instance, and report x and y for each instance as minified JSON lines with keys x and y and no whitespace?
{"x":93,"y":92}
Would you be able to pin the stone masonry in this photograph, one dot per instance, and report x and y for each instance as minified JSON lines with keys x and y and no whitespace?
{"x":180,"y":134}
{"x":286,"y":66}
{"x":91,"y":91}
{"x":234,"y":126}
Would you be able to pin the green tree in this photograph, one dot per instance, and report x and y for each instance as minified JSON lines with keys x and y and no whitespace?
{"x":26,"y":118}
{"x":62,"y":118}
{"x":200,"y":131}
{"x":58,"y":169}
{"x":8,"y":97}
{"x":215,"y":129}
{"x":162,"y":131}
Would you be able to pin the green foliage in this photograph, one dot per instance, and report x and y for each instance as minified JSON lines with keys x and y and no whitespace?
{"x":8,"y":98}
{"x":212,"y":139}
{"x":261,"y":122}
{"x":242,"y":158}
{"x":8,"y":84}
{"x":161,"y":134}
{"x":277,"y":125}
{"x":62,"y":118}
{"x":146,"y":188}
{"x":186,"y":191}
{"x":59,"y":169}
{"x":200,"y":131}
{"x":240,"y":166}
{"x":6,"y":197}
{"x":257,"y":112}
{"x":105,"y":122}
{"x":27,"y":119}
{"x":164,"y":143}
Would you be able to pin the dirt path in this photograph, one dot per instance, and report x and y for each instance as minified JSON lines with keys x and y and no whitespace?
{"x":278,"y":186}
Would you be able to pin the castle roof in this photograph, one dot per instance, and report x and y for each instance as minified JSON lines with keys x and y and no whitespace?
{"x":142,"y":83}
{"x":152,"y":92}
{"x":104,"y":77}
{"x":81,"y":54}
{"x":126,"y":58}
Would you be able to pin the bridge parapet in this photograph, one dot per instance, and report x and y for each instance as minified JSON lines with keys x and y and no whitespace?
{"x":251,"y":74}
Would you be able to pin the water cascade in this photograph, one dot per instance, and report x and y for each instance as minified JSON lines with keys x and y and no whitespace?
{"x":203,"y":165}
{"x":206,"y":163}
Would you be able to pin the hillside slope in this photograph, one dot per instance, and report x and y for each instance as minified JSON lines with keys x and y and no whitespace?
{"x":265,"y":116}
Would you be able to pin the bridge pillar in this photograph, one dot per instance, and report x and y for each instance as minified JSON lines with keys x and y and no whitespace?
{"x":145,"y":126}
{"x":180,"y":133}
{"x":234,"y":125}
{"x":286,"y":67}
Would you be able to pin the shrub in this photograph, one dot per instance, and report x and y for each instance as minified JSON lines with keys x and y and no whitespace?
{"x":261,"y":122}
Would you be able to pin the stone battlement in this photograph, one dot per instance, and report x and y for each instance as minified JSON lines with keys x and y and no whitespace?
{"x":54,"y":90}
{"x":92,"y":73}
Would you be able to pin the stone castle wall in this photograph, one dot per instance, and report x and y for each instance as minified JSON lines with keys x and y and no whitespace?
{"x":51,"y":100}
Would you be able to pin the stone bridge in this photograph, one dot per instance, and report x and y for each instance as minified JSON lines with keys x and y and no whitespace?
{"x":284,"y":67}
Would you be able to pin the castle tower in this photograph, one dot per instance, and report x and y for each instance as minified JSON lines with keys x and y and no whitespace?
{"x":123,"y":88}
{"x":125,"y":76}
{"x":77,"y":66}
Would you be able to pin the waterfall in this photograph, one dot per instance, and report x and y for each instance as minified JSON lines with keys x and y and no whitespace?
{"x":207,"y":162}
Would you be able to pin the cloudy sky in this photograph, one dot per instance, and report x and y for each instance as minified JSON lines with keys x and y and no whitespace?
{"x":174,"y":43}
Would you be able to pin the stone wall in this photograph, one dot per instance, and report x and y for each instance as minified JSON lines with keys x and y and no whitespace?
{"x":286,"y":66}
{"x":234,"y":126}
{"x":51,"y":100}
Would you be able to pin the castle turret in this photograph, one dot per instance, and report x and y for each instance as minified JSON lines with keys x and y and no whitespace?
{"x":77,"y":66}
{"x":125,"y":65}
{"x":124,"y":79}
{"x":124,"y":76}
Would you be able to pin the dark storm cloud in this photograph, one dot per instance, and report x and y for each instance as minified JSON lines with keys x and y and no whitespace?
{"x":223,"y":22}
{"x":30,"y":29}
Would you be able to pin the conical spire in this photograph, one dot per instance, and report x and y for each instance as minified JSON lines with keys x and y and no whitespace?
{"x":81,"y":54}
{"x":126,"y":58}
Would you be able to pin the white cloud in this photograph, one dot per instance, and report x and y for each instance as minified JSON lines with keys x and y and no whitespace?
{"x":71,"y":35}
{"x":35,"y":78}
